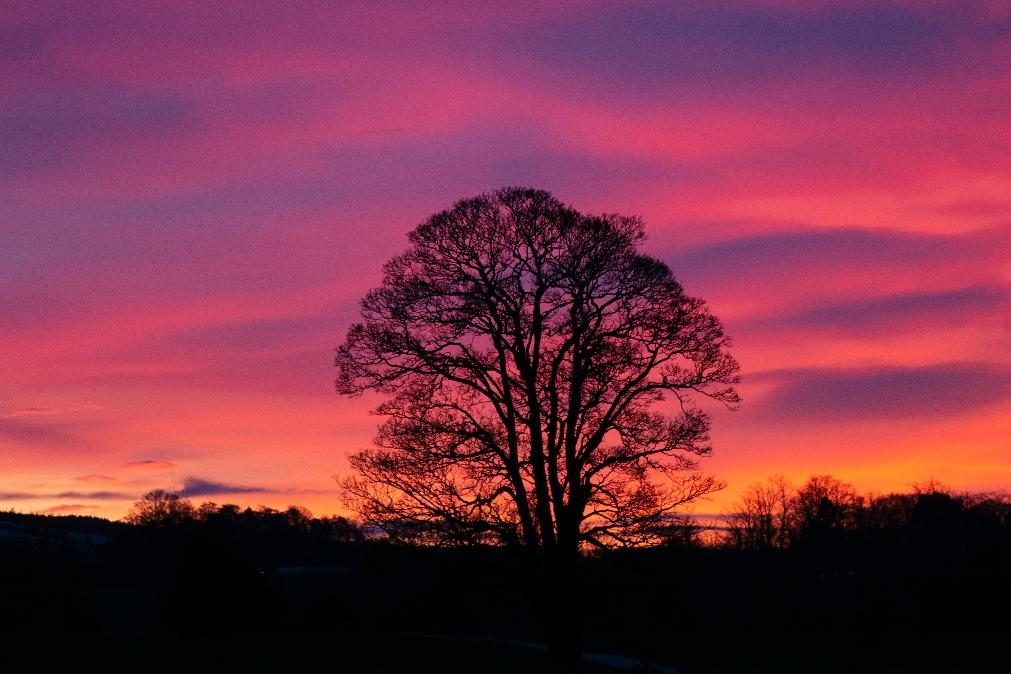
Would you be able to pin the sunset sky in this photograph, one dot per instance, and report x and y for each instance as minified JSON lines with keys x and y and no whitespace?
{"x":194,"y":196}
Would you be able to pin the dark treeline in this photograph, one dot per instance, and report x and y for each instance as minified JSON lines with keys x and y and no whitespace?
{"x":931,"y":522}
{"x":805,"y":579}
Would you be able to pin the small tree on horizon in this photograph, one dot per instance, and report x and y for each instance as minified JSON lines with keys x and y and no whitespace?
{"x":765,"y":517}
{"x":540,"y":377}
{"x":159,"y":508}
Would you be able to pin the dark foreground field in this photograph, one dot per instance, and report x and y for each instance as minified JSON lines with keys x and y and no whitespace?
{"x":87,"y":596}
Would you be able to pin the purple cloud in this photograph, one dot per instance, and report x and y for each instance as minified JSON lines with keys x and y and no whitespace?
{"x":843,"y":265}
{"x":679,"y":46}
{"x":896,"y":313}
{"x":92,"y":495}
{"x":38,"y":431}
{"x":195,"y":486}
{"x":855,"y":396}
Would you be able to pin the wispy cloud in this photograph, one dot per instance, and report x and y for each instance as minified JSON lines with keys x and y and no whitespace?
{"x":859,"y":395}
{"x":898,"y":313}
{"x":195,"y":486}
{"x":45,"y":411}
{"x":89,"y":495}
{"x":149,"y":464}
{"x":39,"y":431}
{"x":95,"y":477}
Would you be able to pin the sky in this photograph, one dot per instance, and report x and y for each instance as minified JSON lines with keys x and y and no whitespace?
{"x":194,"y":196}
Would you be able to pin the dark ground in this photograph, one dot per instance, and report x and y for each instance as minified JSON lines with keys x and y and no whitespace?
{"x":195,"y":598}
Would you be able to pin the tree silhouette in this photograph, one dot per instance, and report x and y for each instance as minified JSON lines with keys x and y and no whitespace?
{"x":159,"y":508}
{"x":539,"y":375}
{"x":825,"y":506}
{"x":765,"y":516}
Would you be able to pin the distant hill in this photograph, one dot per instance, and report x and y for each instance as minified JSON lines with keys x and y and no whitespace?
{"x":73,"y":529}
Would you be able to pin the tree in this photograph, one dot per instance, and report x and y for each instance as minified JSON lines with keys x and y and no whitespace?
{"x":765,"y":516}
{"x":160,"y":508}
{"x":824,"y":507}
{"x":540,"y":377}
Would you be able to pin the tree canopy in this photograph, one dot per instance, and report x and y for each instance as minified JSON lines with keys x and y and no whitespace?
{"x":160,"y":507}
{"x":540,"y":377}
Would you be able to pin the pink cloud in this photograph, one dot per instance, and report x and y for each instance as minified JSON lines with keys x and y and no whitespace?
{"x":94,"y":477}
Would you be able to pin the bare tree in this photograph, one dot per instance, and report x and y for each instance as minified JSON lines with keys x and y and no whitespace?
{"x":765,"y":516}
{"x":159,"y":508}
{"x":540,"y":376}
{"x":824,"y":506}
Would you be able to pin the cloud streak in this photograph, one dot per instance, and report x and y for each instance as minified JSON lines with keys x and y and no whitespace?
{"x":149,"y":464}
{"x":857,"y":396}
{"x":899,"y":313}
{"x":89,"y":495}
{"x":195,"y":486}
{"x":38,"y":432}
